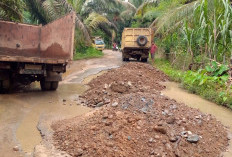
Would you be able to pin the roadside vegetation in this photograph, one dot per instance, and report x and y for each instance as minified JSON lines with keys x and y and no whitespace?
{"x":210,"y":83}
{"x":88,"y":52}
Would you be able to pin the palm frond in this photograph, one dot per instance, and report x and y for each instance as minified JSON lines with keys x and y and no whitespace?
{"x":11,"y":10}
{"x":95,"y":19}
{"x":170,"y":20}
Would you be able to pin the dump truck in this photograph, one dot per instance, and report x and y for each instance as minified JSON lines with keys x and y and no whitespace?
{"x":31,"y":53}
{"x":136,"y":43}
{"x":98,"y":43}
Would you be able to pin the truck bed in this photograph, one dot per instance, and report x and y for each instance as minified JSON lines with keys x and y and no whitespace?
{"x":51,"y":44}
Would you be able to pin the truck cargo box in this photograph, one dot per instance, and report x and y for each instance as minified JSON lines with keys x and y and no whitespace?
{"x":130,"y":37}
{"x":52,"y":43}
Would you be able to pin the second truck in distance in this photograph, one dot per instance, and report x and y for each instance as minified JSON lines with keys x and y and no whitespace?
{"x":136,"y":43}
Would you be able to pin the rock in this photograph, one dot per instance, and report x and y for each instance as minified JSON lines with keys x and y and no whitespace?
{"x":64,"y":100}
{"x":115,"y":104}
{"x":16,"y":148}
{"x":106,"y":86}
{"x":157,"y":137}
{"x":198,"y":117}
{"x":100,"y":104}
{"x":79,"y":152}
{"x":144,"y":110}
{"x":111,"y":136}
{"x":173,"y":139}
{"x":129,"y":83}
{"x":173,"y":107}
{"x":193,"y":138}
{"x":171,"y":120}
{"x":160,"y":129}
{"x":107,"y":101}
{"x":151,"y":140}
{"x":168,"y":147}
{"x":160,"y":123}
{"x":184,"y":134}
{"x":129,"y":138}
{"x":189,"y":132}
{"x":143,"y":99}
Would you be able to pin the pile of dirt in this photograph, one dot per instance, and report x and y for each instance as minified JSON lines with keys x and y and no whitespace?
{"x":137,"y":120}
{"x":130,"y":78}
{"x":142,"y":124}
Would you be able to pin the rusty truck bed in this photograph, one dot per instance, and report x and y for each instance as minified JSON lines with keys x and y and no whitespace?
{"x":51,"y":44}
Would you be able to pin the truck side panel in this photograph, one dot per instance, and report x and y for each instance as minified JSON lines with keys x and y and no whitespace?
{"x":52,"y":43}
{"x":57,"y":38}
{"x":19,"y":39}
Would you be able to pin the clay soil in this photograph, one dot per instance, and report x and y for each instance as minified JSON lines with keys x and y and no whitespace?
{"x":133,"y":119}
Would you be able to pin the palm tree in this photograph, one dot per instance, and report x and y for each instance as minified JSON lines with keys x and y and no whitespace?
{"x":11,"y":10}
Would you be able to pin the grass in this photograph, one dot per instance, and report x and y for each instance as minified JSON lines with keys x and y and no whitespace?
{"x":87,"y":53}
{"x":211,"y":88}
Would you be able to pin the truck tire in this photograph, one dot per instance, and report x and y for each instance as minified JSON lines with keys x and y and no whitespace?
{"x":4,"y":85}
{"x":142,"y":40}
{"x":54,"y":85}
{"x":45,"y":85}
{"x":144,"y":60}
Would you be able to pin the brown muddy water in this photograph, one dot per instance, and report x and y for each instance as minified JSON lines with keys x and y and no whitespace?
{"x":51,"y":104}
{"x":223,"y":114}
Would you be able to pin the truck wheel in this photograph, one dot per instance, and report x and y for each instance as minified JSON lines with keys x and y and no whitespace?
{"x":4,"y":85}
{"x":54,"y":85}
{"x":144,"y":60}
{"x":45,"y":85}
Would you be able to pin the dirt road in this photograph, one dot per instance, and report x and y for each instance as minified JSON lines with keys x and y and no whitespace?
{"x":22,"y":111}
{"x":27,"y":114}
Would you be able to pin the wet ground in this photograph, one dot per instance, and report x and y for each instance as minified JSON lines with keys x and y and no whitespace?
{"x":23,"y":112}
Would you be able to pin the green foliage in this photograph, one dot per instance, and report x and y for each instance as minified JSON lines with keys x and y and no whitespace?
{"x":203,"y":28}
{"x":216,"y":70}
{"x":11,"y":10}
{"x":212,"y":88}
{"x":87,"y":52}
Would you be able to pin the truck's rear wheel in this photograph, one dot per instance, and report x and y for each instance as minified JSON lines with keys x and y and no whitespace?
{"x":45,"y":85}
{"x":54,"y":85}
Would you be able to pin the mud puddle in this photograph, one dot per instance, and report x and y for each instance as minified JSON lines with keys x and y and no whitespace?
{"x":221,"y":113}
{"x":61,"y":103}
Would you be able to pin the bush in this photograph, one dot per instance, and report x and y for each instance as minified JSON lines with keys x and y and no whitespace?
{"x":87,"y":52}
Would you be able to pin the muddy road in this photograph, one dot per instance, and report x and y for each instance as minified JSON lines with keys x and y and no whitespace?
{"x":22,"y":111}
{"x":26,"y":114}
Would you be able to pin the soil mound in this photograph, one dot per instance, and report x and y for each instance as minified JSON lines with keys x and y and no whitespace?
{"x":130,"y":78}
{"x":136,"y":120}
{"x":141,"y":125}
